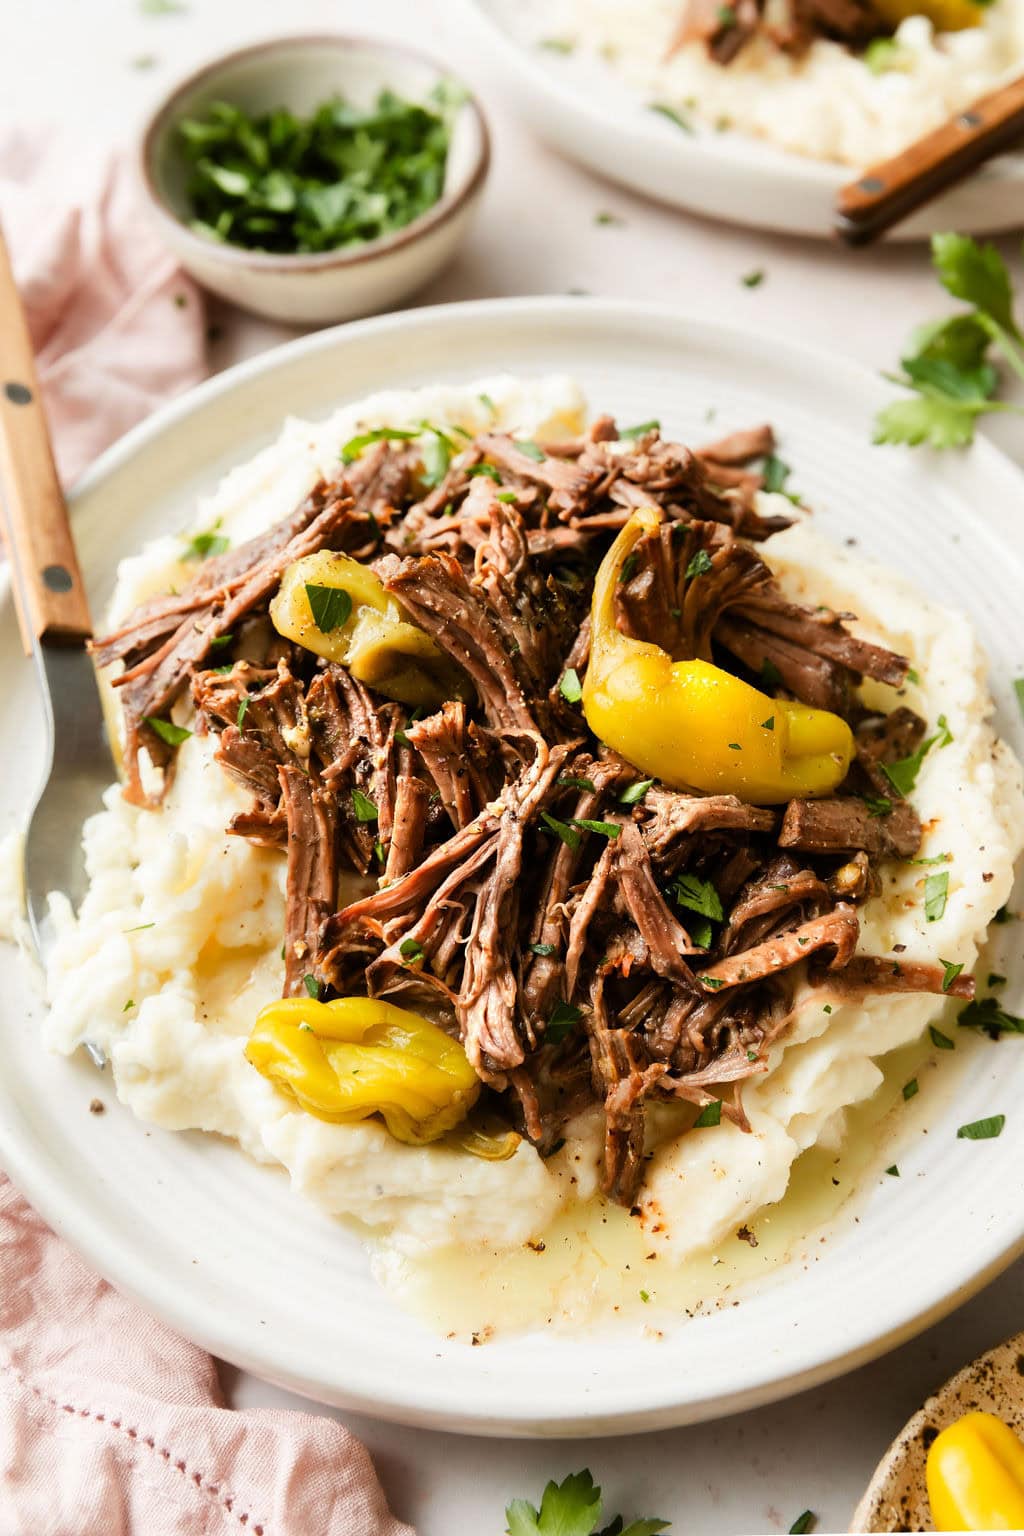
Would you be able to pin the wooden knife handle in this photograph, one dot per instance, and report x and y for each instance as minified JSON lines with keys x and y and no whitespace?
{"x":886,"y":193}
{"x":48,"y":588}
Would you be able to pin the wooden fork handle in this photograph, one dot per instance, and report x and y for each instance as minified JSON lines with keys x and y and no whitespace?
{"x":48,"y":589}
{"x":886,"y":193}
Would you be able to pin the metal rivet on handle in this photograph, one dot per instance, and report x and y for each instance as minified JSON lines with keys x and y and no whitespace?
{"x":18,"y":394}
{"x":58,"y":578}
{"x":970,"y":119}
{"x":871,"y":184}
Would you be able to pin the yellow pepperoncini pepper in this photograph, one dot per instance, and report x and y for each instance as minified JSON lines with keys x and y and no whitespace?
{"x":692,"y":724}
{"x":362,"y":627}
{"x":975,"y":1476}
{"x":944,"y":15}
{"x":356,"y":1057}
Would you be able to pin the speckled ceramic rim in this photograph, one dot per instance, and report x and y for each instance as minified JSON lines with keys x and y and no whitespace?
{"x":268,"y":261}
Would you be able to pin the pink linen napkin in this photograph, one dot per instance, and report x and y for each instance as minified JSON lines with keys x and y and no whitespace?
{"x":117,"y":327}
{"x":111,"y":1425}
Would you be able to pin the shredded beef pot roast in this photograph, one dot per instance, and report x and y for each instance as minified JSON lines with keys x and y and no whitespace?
{"x":589,"y":939}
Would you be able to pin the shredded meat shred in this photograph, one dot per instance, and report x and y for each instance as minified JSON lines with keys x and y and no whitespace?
{"x":588,"y":938}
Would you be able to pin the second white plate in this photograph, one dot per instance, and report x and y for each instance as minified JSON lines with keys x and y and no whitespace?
{"x":584,"y":111}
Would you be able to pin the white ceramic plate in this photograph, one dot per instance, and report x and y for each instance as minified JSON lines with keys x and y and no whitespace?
{"x":584,"y":111}
{"x":220,"y":1247}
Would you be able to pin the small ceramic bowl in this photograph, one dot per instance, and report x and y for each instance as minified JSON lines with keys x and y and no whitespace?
{"x":301,"y":73}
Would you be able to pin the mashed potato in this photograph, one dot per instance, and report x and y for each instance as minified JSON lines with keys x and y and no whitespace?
{"x":826,"y":104}
{"x":177,"y":945}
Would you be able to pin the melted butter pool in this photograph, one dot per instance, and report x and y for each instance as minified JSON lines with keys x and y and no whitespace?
{"x":596,"y":1263}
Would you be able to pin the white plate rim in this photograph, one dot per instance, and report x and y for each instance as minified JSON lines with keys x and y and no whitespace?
{"x":402,"y":1401}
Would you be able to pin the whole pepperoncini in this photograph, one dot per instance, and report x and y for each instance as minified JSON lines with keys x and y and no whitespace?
{"x":331,"y":605}
{"x":692,"y":724}
{"x":355,"y":1057}
{"x":975,"y":1476}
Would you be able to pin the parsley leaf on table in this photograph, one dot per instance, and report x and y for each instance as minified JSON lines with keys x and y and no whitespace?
{"x":948,"y":364}
{"x":571,"y":1508}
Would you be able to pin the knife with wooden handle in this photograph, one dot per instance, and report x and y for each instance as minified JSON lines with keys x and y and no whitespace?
{"x":48,"y":588}
{"x":887,"y":193}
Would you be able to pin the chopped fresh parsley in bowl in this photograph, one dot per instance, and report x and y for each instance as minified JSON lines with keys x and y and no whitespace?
{"x":312,"y":179}
{"x":281,"y":181}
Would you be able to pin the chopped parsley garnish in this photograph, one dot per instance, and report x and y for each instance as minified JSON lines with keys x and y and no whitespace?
{"x":129,"y":1005}
{"x":673,"y":115}
{"x":570,"y":686}
{"x":508,"y":496}
{"x":312,"y":986}
{"x":570,"y":837}
{"x":950,"y":973}
{"x":986,"y":1129}
{"x":488,"y":404}
{"x":531,"y":449}
{"x":569,"y":781}
{"x":699,"y":565}
{"x":985,"y":1013}
{"x":769,"y":724}
{"x":331,"y":607}
{"x":878,"y":805}
{"x":572,"y":1508}
{"x":1018,"y":688}
{"x":893,"y":1171}
{"x":711,"y":1114}
{"x":379,"y":852}
{"x":713,"y":982}
{"x":355,"y":445}
{"x":910,"y":1089}
{"x":947,"y":365}
{"x":629,"y":565}
{"x":701,"y":932}
{"x":609,"y":829}
{"x":243,"y":709}
{"x":698,"y":896}
{"x":484,"y":469}
{"x":940,"y":1041}
{"x":341,"y":176}
{"x":640,"y":430}
{"x":203,"y":545}
{"x":902,"y":775}
{"x":437,"y":455}
{"x":803,"y":1523}
{"x":936,"y":889}
{"x":726,"y":18}
{"x":604,"y":217}
{"x":634,"y":793}
{"x":220,"y":641}
{"x":771,"y":677}
{"x":139,"y":927}
{"x":774,"y":473}
{"x":172,"y":734}
{"x":411,"y":950}
{"x":563,"y":1020}
{"x":753,"y":279}
{"x":939,"y":858}
{"x":645,"y":1295}
{"x":734,"y":746}
{"x":557,"y":44}
{"x":913,"y":676}
{"x":543,"y":949}
{"x":884,"y":54}
{"x":363,"y":807}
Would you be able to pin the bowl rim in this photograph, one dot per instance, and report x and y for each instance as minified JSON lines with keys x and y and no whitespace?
{"x":446,"y":207}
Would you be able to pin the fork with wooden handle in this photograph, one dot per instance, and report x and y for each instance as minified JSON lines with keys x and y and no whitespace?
{"x":53,"y":614}
{"x":886,"y":193}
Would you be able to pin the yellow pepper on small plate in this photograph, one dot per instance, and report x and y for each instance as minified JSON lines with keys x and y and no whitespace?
{"x":975,"y":1476}
{"x":692,"y":724}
